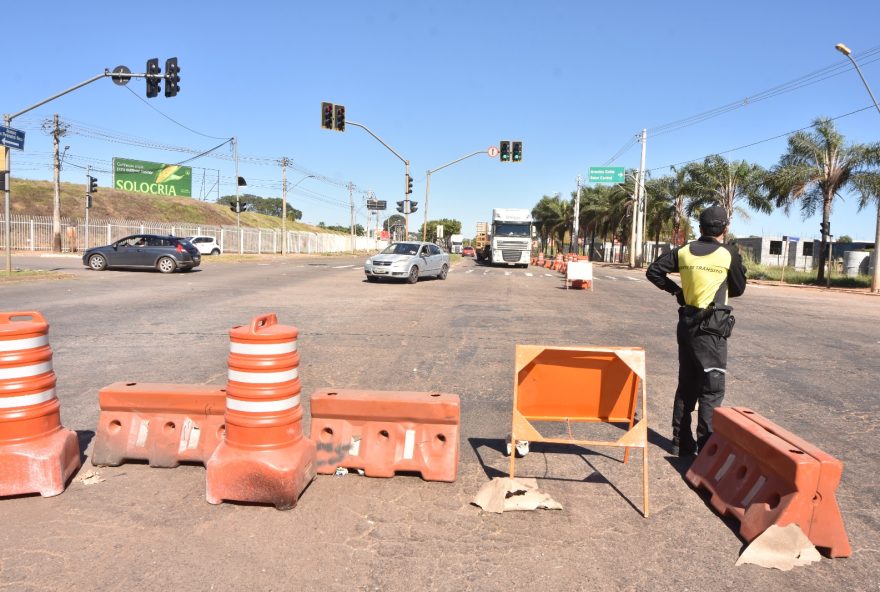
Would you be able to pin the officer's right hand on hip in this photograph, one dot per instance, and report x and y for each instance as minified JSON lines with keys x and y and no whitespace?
{"x":679,"y":297}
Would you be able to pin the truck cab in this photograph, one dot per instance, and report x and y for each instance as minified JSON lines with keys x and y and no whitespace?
{"x":510,"y":240}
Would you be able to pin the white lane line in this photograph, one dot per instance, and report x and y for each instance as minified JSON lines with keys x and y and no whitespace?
{"x":342,"y":266}
{"x":507,"y":272}
{"x":262,"y":265}
{"x":548,"y":275}
{"x":470,"y":271}
{"x":529,"y":274}
{"x":611,"y":277}
{"x":633,"y":279}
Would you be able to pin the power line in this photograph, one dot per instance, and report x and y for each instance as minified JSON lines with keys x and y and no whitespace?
{"x":171,"y":119}
{"x":760,"y":141}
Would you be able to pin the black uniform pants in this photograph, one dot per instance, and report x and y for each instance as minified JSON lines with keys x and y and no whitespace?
{"x":702,"y":364}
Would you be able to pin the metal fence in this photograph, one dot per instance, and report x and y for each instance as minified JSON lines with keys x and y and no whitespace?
{"x":34,"y":233}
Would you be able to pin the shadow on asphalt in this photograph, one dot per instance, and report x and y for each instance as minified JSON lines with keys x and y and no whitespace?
{"x":84,"y":437}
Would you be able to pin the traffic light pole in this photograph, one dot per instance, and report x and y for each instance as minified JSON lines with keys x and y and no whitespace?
{"x":7,"y":121}
{"x":88,"y":199}
{"x":397,"y":154}
{"x":428,"y":185}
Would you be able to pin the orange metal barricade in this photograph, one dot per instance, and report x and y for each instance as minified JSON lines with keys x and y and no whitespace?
{"x":164,"y":424}
{"x":383,"y":432}
{"x":763,"y":474}
{"x":264,"y":457}
{"x":581,"y":384}
{"x":37,"y":454}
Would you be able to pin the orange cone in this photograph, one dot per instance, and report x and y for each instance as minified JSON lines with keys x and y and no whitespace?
{"x":37,"y":455}
{"x":264,"y":457}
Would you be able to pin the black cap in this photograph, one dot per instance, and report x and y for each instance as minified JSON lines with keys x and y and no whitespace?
{"x":714,"y":218}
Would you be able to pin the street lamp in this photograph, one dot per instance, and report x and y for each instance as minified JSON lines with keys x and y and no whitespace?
{"x":284,"y":212}
{"x":875,"y":278}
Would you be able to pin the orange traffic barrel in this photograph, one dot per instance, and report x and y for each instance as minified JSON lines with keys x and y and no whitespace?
{"x":37,"y":455}
{"x":264,"y":457}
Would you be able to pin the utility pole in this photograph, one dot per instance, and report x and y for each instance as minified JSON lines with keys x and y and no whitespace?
{"x":428,"y":184}
{"x":57,"y":132}
{"x":351,"y":206}
{"x":237,"y":199}
{"x":283,"y":205}
{"x":406,"y":201}
{"x":7,"y":182}
{"x":573,"y":247}
{"x":642,"y":203}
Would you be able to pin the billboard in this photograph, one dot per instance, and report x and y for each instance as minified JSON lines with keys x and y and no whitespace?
{"x":152,"y":177}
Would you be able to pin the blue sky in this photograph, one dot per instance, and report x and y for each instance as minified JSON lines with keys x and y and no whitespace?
{"x":573,"y":80}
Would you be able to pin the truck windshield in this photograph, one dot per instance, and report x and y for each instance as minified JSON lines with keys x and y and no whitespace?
{"x":502,"y":229}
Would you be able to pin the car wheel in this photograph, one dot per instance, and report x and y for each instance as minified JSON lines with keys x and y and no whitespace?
{"x":413,"y":276}
{"x":372,"y":278}
{"x":444,"y":271}
{"x":215,"y":252}
{"x":98,"y":262}
{"x":166,"y":265}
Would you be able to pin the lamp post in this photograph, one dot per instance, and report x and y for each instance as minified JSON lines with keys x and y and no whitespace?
{"x":284,"y":204}
{"x":875,"y":278}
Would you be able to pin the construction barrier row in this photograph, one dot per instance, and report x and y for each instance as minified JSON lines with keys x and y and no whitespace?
{"x":578,"y":272}
{"x":763,"y":475}
{"x":249,"y":434}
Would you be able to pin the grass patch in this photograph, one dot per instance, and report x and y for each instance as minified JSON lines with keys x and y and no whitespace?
{"x":26,"y":275}
{"x":800,"y":277}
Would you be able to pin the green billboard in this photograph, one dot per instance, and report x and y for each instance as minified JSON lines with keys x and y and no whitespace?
{"x":152,"y":177}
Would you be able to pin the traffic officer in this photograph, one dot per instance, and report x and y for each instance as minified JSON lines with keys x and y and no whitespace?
{"x":710,"y":271}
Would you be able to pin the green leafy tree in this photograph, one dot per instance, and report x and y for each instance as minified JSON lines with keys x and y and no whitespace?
{"x":270,"y":206}
{"x":845,"y":239}
{"x":817,"y":167}
{"x":552,"y":217}
{"x":450,"y":226}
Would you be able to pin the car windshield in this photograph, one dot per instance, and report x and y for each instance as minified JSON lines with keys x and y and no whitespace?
{"x":401,"y":249}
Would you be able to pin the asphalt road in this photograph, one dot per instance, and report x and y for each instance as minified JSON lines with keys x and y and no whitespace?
{"x":804,"y":358}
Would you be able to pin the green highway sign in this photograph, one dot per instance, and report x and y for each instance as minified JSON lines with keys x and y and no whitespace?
{"x":606,"y":174}
{"x":152,"y":177}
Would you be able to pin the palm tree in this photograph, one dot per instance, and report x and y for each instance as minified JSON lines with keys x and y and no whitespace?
{"x":661,"y":207}
{"x":727,"y":183}
{"x":675,"y":189}
{"x":817,"y":167}
{"x":551,"y":217}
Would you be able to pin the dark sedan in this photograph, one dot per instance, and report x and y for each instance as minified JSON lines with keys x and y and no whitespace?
{"x":165,"y":253}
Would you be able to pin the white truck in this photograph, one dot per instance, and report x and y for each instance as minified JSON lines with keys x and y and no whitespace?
{"x":455,"y":242}
{"x":510,"y":238}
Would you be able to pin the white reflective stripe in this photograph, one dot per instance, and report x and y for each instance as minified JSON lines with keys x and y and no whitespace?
{"x":258,"y":349}
{"x":27,"y":400}
{"x":25,"y":371}
{"x":29,"y":343}
{"x":747,"y":500}
{"x":725,"y":467}
{"x":722,"y":370}
{"x":263,"y":377}
{"x":261,"y":406}
{"x":409,"y":442}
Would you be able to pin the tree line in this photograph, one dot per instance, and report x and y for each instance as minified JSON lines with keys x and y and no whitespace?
{"x":817,"y":167}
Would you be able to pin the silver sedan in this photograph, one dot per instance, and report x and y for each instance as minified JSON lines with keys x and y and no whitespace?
{"x":409,"y":261}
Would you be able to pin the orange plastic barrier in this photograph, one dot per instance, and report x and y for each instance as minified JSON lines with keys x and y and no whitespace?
{"x":264,"y":457}
{"x":557,"y":263}
{"x":540,"y":260}
{"x":165,"y":424}
{"x":765,"y":475}
{"x":581,"y":384}
{"x":37,"y":454}
{"x":383,"y":432}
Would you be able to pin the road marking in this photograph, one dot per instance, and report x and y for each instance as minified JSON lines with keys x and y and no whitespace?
{"x":633,"y":279}
{"x":548,"y":275}
{"x":507,"y":273}
{"x":263,"y":264}
{"x":470,"y":271}
{"x":529,"y":274}
{"x":611,"y":277}
{"x":342,"y":266}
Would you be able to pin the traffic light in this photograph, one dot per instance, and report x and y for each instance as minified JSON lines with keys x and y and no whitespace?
{"x":413,"y":206}
{"x":825,"y":228}
{"x":400,"y":207}
{"x":327,"y":116}
{"x":154,"y":74}
{"x":93,"y":185}
{"x":517,"y":151}
{"x":172,"y":77}
{"x":408,"y":184}
{"x":505,"y":151}
{"x":340,"y":117}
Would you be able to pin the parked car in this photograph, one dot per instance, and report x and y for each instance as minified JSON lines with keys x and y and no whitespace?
{"x":409,"y":261}
{"x":468,"y":252}
{"x":207,"y":245}
{"x":165,"y":253}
